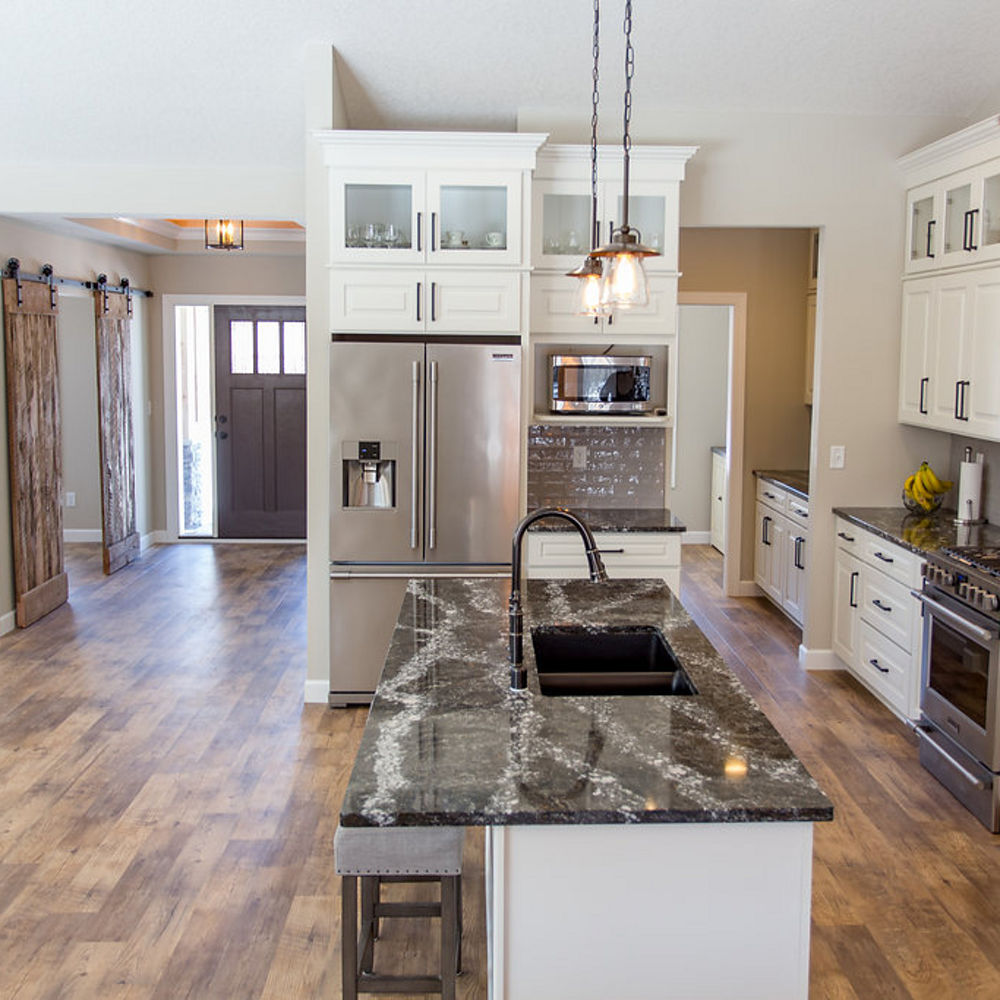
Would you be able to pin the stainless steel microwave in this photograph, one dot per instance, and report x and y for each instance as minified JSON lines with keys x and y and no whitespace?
{"x":599,"y":383}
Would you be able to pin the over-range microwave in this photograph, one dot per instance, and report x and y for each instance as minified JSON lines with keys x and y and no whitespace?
{"x":599,"y":383}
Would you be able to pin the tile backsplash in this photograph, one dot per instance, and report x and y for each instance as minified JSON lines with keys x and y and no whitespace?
{"x":625,"y":466}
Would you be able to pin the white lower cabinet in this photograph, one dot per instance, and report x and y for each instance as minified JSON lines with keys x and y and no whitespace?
{"x":781,"y":547}
{"x":626,"y":554}
{"x":876,"y":619}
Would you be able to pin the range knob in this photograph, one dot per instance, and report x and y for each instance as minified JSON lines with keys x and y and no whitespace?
{"x":945,"y":578}
{"x":990,"y":601}
{"x":963,"y":589}
{"x":974,"y":594}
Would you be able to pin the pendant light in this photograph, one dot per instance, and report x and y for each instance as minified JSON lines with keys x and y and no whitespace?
{"x":624,"y":285}
{"x":223,"y":234}
{"x":591,"y":271}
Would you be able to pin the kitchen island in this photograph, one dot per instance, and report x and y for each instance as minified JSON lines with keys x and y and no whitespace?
{"x":651,"y":846}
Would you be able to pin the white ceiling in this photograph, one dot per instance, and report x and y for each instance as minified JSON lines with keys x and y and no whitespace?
{"x":190,"y":82}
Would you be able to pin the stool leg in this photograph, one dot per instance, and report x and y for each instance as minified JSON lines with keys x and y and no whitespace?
{"x":349,"y":936}
{"x":458,"y":944}
{"x":378,"y":899}
{"x":368,"y":921}
{"x":449,"y":925}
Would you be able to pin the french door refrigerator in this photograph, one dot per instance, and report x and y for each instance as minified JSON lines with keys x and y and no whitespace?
{"x":425,"y":465}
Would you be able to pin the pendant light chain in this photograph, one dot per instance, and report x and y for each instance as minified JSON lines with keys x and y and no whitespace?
{"x":595,"y":100}
{"x":626,"y":137}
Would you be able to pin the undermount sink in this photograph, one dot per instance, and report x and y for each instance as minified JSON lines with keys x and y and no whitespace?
{"x":631,"y":659}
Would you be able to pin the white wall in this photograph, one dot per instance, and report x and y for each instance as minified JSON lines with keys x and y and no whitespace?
{"x":702,"y":405}
{"x":837,"y":173}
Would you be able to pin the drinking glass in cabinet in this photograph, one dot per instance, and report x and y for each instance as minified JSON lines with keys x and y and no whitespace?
{"x":646,"y":213}
{"x":921,"y":228}
{"x":473,"y":217}
{"x":991,"y":210}
{"x":565,"y":216}
{"x":377,"y":216}
{"x":956,"y":218}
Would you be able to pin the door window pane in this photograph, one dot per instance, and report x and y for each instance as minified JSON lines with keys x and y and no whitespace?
{"x":295,"y":348}
{"x":268,"y":348}
{"x":241,"y":347}
{"x":956,"y":203}
{"x":921,"y":221}
{"x":378,"y":216}
{"x":473,"y":217}
{"x":195,"y":424}
{"x":991,"y":210}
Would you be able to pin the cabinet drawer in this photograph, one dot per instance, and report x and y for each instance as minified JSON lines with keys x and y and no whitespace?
{"x":849,"y":537}
{"x":565,"y":549}
{"x":897,"y":562}
{"x":883,"y":665}
{"x":798,"y":512}
{"x":771,"y":495}
{"x":889,"y":607}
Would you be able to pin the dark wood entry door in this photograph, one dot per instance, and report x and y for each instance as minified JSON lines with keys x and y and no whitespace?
{"x":260,"y":421}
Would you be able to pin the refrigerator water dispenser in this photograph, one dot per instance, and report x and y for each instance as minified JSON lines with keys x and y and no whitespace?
{"x":369,"y":474}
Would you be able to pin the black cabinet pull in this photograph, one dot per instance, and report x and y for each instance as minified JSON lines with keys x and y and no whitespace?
{"x":618,"y":552}
{"x":965,"y":231}
{"x":763,"y":531}
{"x":878,"y":666}
{"x":845,"y":536}
{"x":770,"y":496}
{"x":420,"y":288}
{"x":433,"y":301}
{"x":797,"y":553}
{"x":420,"y":221}
{"x":884,"y":558}
{"x":962,"y":386}
{"x":851,"y":596}
{"x":930,"y":224}
{"x":958,"y":391}
{"x":882,"y":607}
{"x":433,"y":231}
{"x":923,"y":393}
{"x":972,"y":229}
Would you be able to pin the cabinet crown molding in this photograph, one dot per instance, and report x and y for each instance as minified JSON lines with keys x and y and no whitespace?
{"x":382,"y":148}
{"x":962,"y":149}
{"x":662,"y":162}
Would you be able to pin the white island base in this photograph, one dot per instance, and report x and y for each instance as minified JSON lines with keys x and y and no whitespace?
{"x":678,"y":911}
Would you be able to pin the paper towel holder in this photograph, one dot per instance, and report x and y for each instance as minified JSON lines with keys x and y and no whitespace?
{"x":975,"y":505}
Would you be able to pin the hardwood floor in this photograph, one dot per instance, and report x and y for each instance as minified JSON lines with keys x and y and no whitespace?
{"x":168,"y":804}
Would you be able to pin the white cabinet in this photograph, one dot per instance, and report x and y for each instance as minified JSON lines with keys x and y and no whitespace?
{"x":407,"y":300}
{"x":949,"y":371}
{"x":781,"y":548}
{"x":877,"y":624}
{"x":626,"y":554}
{"x":718,"y":502}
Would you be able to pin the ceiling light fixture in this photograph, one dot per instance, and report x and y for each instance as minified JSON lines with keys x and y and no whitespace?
{"x":624,"y":284}
{"x":223,"y":234}
{"x":591,"y":271}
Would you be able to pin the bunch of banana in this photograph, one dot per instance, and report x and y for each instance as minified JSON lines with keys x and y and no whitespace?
{"x":924,"y":487}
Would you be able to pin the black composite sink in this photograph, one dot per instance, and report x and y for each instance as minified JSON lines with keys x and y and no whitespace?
{"x":581,"y":660}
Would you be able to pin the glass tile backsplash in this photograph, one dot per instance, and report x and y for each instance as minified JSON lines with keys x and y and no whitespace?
{"x":624,"y":466}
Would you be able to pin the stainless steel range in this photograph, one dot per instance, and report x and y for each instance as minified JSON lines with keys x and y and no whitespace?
{"x":959,"y":734}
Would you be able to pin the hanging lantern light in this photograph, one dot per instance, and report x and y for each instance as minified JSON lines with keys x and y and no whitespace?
{"x":591,"y":272}
{"x":223,"y":234}
{"x":624,"y":285}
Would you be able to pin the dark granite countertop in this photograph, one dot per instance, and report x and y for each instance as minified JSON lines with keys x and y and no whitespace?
{"x":614,"y":519}
{"x":794,"y":480}
{"x":447,"y":743}
{"x":920,"y":533}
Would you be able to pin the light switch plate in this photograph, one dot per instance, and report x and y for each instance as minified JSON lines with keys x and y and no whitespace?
{"x":837,"y":456}
{"x":70,"y":499}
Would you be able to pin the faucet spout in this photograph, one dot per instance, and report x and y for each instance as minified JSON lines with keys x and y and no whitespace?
{"x":518,"y":673}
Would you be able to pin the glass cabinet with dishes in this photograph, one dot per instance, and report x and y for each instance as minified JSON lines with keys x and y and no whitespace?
{"x":410,"y":217}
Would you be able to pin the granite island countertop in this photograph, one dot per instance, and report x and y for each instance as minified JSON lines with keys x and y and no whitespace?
{"x":637,"y":519}
{"x":794,"y":480}
{"x":448,"y":743}
{"x":920,"y":533}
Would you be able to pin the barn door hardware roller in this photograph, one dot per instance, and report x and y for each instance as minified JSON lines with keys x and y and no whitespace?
{"x":13,"y":270}
{"x":47,"y":273}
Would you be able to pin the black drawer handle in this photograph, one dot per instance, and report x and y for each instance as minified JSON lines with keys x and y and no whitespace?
{"x":878,"y":555}
{"x":802,"y":513}
{"x":770,"y":496}
{"x":923,"y":396}
{"x":850,"y":597}
{"x":882,"y":607}
{"x":878,"y":666}
{"x":845,"y":536}
{"x":605,"y":552}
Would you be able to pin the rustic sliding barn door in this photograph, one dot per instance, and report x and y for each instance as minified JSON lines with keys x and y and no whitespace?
{"x":40,"y":583}
{"x":114,"y":394}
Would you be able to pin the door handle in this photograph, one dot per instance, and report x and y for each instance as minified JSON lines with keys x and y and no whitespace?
{"x":845,"y":536}
{"x":851,"y":597}
{"x":420,"y":222}
{"x":962,"y":415}
{"x":434,"y":305}
{"x":763,"y":531}
{"x":958,"y":390}
{"x":923,"y":392}
{"x":882,"y":607}
{"x":420,"y":289}
{"x":930,"y":224}
{"x":797,"y":553}
{"x":222,"y":435}
{"x":883,"y":557}
{"x":432,"y":456}
{"x":878,"y":666}
{"x":972,"y":229}
{"x":414,"y":453}
{"x":433,"y":231}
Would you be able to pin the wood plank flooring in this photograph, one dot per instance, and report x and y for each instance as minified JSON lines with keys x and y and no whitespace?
{"x":168,"y":804}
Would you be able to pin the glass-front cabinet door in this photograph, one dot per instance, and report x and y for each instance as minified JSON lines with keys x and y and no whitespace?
{"x":561,"y":224}
{"x":377,"y":216}
{"x":474,"y":218}
{"x":648,"y":213}
{"x":961,"y":222}
{"x":922,"y":230}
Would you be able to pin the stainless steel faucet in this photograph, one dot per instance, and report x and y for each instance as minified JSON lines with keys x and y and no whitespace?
{"x":518,"y":674}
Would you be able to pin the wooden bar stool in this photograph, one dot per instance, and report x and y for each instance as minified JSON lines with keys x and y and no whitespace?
{"x":398,"y":854}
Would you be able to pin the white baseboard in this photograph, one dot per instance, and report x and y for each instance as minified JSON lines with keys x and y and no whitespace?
{"x":317,"y":692}
{"x":82,"y":534}
{"x":7,"y":623}
{"x":745,"y":588}
{"x":819,"y":659}
{"x":696,"y":538}
{"x":152,"y":538}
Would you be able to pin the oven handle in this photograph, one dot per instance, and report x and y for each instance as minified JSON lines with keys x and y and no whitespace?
{"x":957,"y":620}
{"x":967,"y":774}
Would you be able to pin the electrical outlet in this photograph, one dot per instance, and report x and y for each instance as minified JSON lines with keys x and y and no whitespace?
{"x":579,"y":456}
{"x":70,"y":499}
{"x":837,"y":456}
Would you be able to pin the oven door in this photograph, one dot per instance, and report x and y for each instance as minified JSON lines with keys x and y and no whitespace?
{"x":959,"y":677}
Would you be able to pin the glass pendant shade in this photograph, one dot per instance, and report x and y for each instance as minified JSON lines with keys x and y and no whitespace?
{"x":588,"y":296}
{"x":624,"y":285}
{"x":223,"y":234}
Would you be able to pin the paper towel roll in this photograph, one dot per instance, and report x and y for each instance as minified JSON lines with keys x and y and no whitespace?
{"x":970,"y":485}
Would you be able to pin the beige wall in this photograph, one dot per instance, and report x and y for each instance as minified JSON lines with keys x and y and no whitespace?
{"x":771,"y":267}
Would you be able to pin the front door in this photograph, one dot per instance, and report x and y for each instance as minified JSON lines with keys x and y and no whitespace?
{"x":260,"y":421}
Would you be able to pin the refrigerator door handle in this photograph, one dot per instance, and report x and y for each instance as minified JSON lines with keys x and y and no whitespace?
{"x":417,"y":574}
{"x":414,"y":453}
{"x":432,"y":456}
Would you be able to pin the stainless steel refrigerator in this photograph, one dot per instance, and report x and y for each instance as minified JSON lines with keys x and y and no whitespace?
{"x":424,"y":472}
